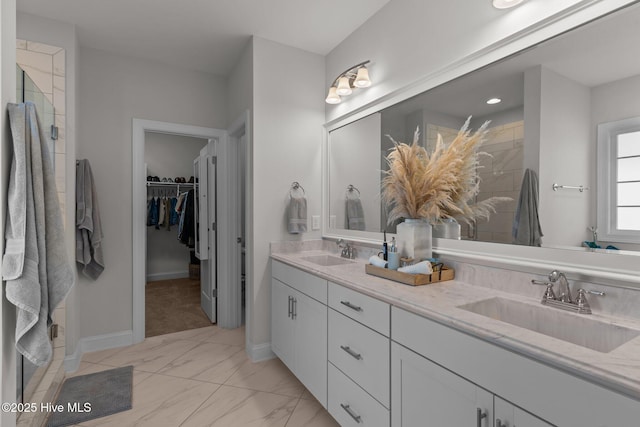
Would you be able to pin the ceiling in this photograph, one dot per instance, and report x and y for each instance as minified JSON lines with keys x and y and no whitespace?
{"x":598,"y":53}
{"x":205,"y":35}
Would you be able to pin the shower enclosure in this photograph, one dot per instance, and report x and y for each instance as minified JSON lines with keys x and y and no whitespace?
{"x":28,"y":91}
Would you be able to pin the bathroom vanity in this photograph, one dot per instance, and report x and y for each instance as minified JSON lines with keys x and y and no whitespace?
{"x":379,"y":353}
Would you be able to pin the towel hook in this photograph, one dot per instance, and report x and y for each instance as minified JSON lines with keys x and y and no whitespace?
{"x":295,"y":185}
{"x":351,"y":188}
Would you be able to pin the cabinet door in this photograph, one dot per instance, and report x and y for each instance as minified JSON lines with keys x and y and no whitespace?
{"x":310,"y":318}
{"x":282,"y":325}
{"x":423,"y":393}
{"x":508,"y":415}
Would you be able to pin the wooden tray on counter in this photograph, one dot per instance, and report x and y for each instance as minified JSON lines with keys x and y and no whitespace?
{"x":441,"y":275}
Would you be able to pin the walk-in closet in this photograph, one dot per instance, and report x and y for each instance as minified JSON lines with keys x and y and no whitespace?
{"x":172,"y":291}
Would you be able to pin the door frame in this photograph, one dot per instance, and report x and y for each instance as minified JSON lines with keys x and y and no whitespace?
{"x":138,"y":194}
{"x":229,"y":289}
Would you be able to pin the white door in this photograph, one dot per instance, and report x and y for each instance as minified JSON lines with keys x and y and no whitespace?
{"x":205,"y":192}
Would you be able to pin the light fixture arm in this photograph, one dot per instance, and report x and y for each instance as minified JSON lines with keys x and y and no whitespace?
{"x":350,"y":72}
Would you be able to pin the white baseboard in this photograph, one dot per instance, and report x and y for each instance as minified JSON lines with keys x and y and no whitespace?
{"x":260,"y":352}
{"x":168,"y":275}
{"x":96,"y":343}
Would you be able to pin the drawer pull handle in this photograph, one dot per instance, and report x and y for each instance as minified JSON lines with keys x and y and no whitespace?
{"x":349,"y":411}
{"x":290,"y":306}
{"x":294,"y":308}
{"x":351,"y":353}
{"x":351,"y":306}
{"x":480,"y":416}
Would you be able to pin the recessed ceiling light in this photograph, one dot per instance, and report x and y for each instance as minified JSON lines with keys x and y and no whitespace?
{"x":494,"y":101}
{"x":506,"y":4}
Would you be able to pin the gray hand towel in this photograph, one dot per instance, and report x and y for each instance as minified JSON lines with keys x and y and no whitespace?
{"x":38,"y":274}
{"x":354,"y":215}
{"x":297,"y":215}
{"x":88,"y":224}
{"x":526,"y":228}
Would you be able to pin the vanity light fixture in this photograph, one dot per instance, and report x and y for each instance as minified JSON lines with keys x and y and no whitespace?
{"x":506,"y":4}
{"x":492,"y":101}
{"x":343,"y":85}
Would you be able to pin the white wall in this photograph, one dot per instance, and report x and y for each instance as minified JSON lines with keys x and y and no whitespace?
{"x":565,"y":146}
{"x":287,"y":141}
{"x":168,"y":156}
{"x":357,"y":141}
{"x":113,"y":90}
{"x":409,"y":41}
{"x":610,"y":102}
{"x":7,"y":94}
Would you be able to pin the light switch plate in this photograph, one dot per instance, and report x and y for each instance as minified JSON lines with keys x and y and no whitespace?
{"x":315,"y":222}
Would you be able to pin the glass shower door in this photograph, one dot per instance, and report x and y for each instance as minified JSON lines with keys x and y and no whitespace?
{"x":28,"y":91}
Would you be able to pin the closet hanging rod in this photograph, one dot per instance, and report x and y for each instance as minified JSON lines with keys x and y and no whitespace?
{"x":162,"y":184}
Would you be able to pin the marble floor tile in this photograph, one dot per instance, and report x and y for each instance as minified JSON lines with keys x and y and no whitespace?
{"x":306,"y":394}
{"x":271,"y":376}
{"x":198,"y":334}
{"x":150,"y":355}
{"x":310,"y":413}
{"x":160,"y":401}
{"x":237,"y":407}
{"x":207,"y":361}
{"x":227,"y":336}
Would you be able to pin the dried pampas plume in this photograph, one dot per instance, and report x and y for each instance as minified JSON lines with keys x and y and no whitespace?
{"x":439,"y":185}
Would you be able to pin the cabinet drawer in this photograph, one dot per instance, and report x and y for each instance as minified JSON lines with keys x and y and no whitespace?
{"x":361,"y":353}
{"x":352,"y":406}
{"x":308,"y":284}
{"x":366,"y":310}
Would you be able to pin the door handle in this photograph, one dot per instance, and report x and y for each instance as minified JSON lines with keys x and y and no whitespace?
{"x":290,"y":306}
{"x":351,"y":306}
{"x":480,"y":416}
{"x":351,"y":353}
{"x":294,"y":310}
{"x":349,"y":411}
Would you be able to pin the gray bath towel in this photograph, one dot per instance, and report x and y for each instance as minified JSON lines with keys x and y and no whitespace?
{"x":35,"y":263}
{"x":526,"y":224}
{"x":88,"y":224}
{"x":354,"y":214}
{"x":297,"y":215}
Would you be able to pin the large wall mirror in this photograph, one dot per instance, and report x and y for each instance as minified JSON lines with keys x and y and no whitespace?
{"x":554,"y":97}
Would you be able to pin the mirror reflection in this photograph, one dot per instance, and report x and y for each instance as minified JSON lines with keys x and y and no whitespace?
{"x":545,"y":106}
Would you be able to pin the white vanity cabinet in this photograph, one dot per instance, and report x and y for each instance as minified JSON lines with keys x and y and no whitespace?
{"x":359,"y":360}
{"x":426,"y":394}
{"x":448,"y":358}
{"x":509,"y":415}
{"x":299,"y":326}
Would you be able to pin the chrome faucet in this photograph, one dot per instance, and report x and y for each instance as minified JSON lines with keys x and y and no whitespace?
{"x":581,"y":305}
{"x":348,"y":251}
{"x":556,"y":276}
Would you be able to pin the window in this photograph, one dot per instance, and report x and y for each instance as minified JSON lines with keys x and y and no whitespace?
{"x":619,"y":181}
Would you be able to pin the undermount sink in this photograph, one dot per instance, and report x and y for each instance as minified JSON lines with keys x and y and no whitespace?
{"x":574,"y":328}
{"x":327,"y":260}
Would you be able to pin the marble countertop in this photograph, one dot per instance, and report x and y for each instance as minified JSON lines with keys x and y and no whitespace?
{"x":618,"y":370}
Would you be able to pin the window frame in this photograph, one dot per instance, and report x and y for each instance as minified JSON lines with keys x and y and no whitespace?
{"x":607,"y":172}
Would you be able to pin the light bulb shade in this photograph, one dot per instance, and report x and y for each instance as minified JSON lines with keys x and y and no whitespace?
{"x":506,"y":4}
{"x":332,"y":97}
{"x":343,"y":86}
{"x":362,"y":79}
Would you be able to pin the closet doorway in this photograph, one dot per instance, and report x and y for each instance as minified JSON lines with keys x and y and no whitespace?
{"x":230,"y":151}
{"x":172,"y":288}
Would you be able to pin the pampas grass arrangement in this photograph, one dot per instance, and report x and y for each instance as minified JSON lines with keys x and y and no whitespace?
{"x":439,"y":185}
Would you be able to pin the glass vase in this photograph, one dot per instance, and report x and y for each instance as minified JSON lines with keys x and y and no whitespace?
{"x":414,"y":239}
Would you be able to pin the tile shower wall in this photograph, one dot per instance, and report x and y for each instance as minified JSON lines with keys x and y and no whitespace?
{"x":500,"y":174}
{"x":45,"y":65}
